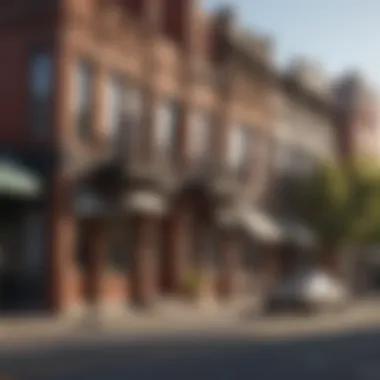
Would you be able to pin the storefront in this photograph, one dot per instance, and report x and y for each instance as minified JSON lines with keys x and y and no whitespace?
{"x":23,"y":236}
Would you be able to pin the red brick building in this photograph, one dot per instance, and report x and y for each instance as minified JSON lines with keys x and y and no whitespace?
{"x":149,"y":124}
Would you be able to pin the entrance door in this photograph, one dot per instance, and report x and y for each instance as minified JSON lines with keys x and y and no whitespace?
{"x":288,"y":258}
{"x":23,"y":245}
{"x":83,"y":252}
{"x":165,"y":277}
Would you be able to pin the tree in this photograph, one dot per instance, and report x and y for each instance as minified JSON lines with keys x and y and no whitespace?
{"x":366,"y":199}
{"x":342,"y":205}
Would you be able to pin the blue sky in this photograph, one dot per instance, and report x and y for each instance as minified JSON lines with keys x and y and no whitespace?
{"x":342,"y":34}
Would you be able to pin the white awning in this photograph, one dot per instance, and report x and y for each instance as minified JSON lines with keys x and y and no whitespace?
{"x":265,"y":227}
{"x":262,"y":226}
{"x":298,"y":233}
{"x":143,"y":201}
{"x":17,"y":180}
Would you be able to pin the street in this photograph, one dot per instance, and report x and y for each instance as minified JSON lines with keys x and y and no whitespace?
{"x":207,"y":356}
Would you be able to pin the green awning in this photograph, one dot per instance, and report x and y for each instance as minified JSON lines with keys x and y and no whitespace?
{"x":18,"y":181}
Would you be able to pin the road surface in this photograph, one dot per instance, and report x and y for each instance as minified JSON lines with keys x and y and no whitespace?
{"x":208,"y":356}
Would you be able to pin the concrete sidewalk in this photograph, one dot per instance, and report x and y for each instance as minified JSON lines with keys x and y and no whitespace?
{"x":169,"y":315}
{"x":175,"y":318}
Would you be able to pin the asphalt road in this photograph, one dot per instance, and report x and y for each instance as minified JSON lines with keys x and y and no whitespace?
{"x":208,"y":356}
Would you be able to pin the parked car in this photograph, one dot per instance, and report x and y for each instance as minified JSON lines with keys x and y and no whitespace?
{"x":309,"y":291}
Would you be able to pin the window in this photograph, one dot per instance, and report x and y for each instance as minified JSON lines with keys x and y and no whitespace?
{"x":199,"y":136}
{"x":118,"y":246}
{"x":238,"y":147}
{"x":212,"y":245}
{"x":83,"y":100}
{"x":40,"y":92}
{"x":34,"y":242}
{"x":82,"y":246}
{"x":167,"y":119}
{"x":114,"y":107}
{"x":133,"y":112}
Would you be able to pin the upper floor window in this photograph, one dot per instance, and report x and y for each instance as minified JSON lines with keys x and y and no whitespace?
{"x":118,"y":246}
{"x":40,"y":92}
{"x":238,"y":147}
{"x":167,"y":120}
{"x":83,"y":99}
{"x":199,"y":136}
{"x":133,"y":112}
{"x":114,"y":107}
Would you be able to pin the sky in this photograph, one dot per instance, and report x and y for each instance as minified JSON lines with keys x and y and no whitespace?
{"x":341,"y":34}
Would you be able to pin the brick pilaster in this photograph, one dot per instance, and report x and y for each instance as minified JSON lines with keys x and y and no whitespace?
{"x":229,"y":262}
{"x":144,"y":267}
{"x":97,"y":260}
{"x":271,"y":267}
{"x":61,"y":244}
{"x":179,"y":247}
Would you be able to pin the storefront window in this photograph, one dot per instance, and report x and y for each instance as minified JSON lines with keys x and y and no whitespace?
{"x":82,"y":250}
{"x":118,"y":247}
{"x":34,"y":243}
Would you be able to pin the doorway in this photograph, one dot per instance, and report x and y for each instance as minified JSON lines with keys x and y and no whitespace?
{"x":23,"y":248}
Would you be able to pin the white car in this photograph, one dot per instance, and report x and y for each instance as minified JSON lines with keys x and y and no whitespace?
{"x":308,"y":291}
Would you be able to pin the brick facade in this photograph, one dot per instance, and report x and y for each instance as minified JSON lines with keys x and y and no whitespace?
{"x":166,"y":50}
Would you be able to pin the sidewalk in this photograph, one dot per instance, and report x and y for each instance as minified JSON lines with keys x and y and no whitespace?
{"x":176,"y":319}
{"x":168,"y":316}
{"x":361,"y":315}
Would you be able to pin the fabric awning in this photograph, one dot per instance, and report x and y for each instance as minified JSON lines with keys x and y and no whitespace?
{"x":298,"y":233}
{"x":262,"y":226}
{"x":267,"y":228}
{"x":18,"y":181}
{"x":144,"y":202}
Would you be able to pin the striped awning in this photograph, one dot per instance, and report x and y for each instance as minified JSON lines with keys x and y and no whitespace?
{"x":18,"y":181}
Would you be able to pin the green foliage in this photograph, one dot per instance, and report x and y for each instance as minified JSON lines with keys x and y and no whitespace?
{"x":367,"y":201}
{"x":343,"y":205}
